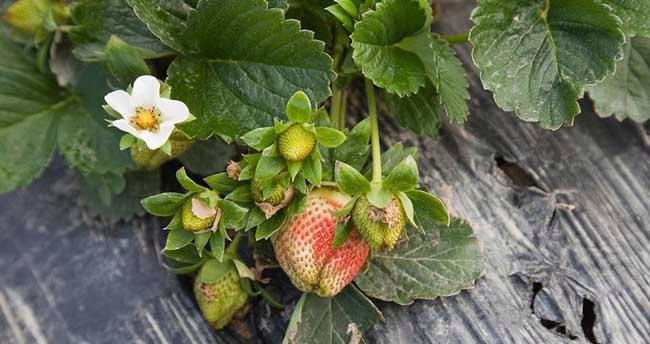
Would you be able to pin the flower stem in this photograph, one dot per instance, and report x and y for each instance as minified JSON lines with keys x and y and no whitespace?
{"x":335,"y":108}
{"x":374,"y":135}
{"x":458,"y":38}
{"x":343,"y":109}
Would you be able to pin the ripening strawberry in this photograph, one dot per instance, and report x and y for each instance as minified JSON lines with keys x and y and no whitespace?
{"x":296,"y":143}
{"x":223,"y":297}
{"x":380,"y":227}
{"x":304,"y":247}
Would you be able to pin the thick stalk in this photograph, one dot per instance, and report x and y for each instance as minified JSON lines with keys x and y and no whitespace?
{"x":374,"y":134}
{"x":335,"y":108}
{"x":343,"y":109}
{"x":459,"y":38}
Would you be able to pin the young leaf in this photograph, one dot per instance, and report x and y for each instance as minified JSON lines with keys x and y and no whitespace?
{"x":312,"y":169}
{"x":242,"y":194}
{"x":164,"y":204}
{"x":558,"y":46}
{"x":124,"y":61}
{"x":329,"y":137}
{"x":299,"y":108}
{"x":267,"y":228}
{"x":351,"y":181}
{"x":218,"y":244}
{"x":404,"y":176}
{"x":339,"y":12}
{"x":450,"y":81}
{"x":260,"y":138}
{"x":270,"y":64}
{"x":416,"y":269}
{"x":376,"y":40}
{"x":294,"y":167}
{"x":339,"y":319}
{"x":186,"y":182}
{"x":254,"y":218}
{"x":185,"y":255}
{"x":178,"y":238}
{"x":626,"y":94}
{"x":428,"y":206}
{"x":233,"y":214}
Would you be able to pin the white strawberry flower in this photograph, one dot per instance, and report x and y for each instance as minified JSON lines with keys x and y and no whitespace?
{"x":145,"y":114}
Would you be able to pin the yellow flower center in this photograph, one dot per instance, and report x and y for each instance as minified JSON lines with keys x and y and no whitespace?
{"x":146,"y":119}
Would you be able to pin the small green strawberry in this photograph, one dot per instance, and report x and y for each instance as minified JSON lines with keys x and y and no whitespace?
{"x":296,"y":143}
{"x":380,"y":227}
{"x":274,"y":199}
{"x":196,"y":216}
{"x":219,"y":293}
{"x":150,"y":160}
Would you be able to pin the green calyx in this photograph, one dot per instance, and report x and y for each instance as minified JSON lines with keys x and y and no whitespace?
{"x":191,"y":221}
{"x":296,"y":143}
{"x":220,"y":296}
{"x":381,"y":228}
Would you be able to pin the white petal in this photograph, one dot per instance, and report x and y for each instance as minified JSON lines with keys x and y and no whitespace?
{"x":146,"y":92}
{"x":124,"y":125}
{"x":120,"y":101}
{"x":157,"y":139}
{"x":173,"y":111}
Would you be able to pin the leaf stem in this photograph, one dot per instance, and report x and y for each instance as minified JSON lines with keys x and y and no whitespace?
{"x":458,"y":38}
{"x":374,"y":135}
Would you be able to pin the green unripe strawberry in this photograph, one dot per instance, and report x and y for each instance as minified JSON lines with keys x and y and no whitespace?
{"x":296,"y":143}
{"x":222,"y":297}
{"x":196,"y":222}
{"x":150,"y":160}
{"x":380,"y":227}
{"x":258,"y":195}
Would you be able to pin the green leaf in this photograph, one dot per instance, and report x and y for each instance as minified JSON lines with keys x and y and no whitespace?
{"x":450,"y":81}
{"x":233,"y":214}
{"x":294,"y":167}
{"x":351,"y":181}
{"x":242,"y":194}
{"x":260,"y":138}
{"x":347,"y":208}
{"x":251,"y":75}
{"x":218,"y":244}
{"x":269,"y":227}
{"x":178,"y":238}
{"x":339,"y":319}
{"x":428,"y":208}
{"x":634,"y":13}
{"x":339,"y":12}
{"x":127,"y":141}
{"x":329,"y":137}
{"x":186,"y":255}
{"x":165,"y":19}
{"x":186,"y":182}
{"x":221,"y":183}
{"x":438,"y":261}
{"x":379,"y":196}
{"x":213,"y":269}
{"x":343,"y":230}
{"x":243,"y":270}
{"x":376,"y":41}
{"x":299,"y":108}
{"x":269,"y":166}
{"x":404,"y":176}
{"x":314,"y":17}
{"x":200,"y":240}
{"x":32,"y":103}
{"x":407,"y":205}
{"x":355,"y":150}
{"x":95,"y":23}
{"x":626,"y":94}
{"x":419,"y":112}
{"x":312,"y":169}
{"x":536,"y":56}
{"x":392,"y":157}
{"x":124,"y":62}
{"x":164,"y":204}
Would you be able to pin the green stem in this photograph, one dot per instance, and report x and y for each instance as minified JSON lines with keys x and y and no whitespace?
{"x":343,"y":109}
{"x":458,"y":38}
{"x":335,"y":108}
{"x":374,"y":135}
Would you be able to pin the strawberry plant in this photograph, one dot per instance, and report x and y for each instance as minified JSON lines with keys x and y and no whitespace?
{"x":253,"y":97}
